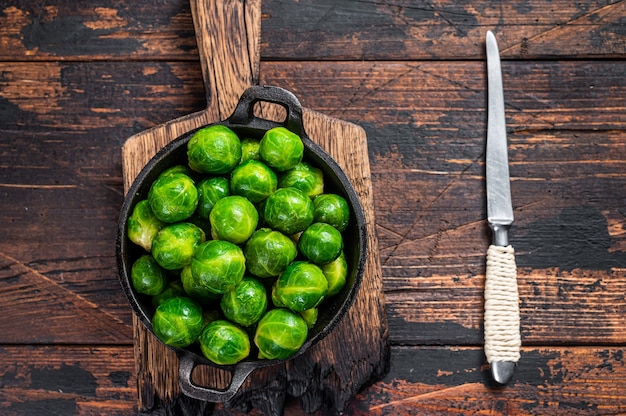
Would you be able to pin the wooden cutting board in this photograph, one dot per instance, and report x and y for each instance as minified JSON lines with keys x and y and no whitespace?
{"x":356,"y":352}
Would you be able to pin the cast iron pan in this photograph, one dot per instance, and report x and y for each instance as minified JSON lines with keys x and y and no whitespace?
{"x":246,"y":124}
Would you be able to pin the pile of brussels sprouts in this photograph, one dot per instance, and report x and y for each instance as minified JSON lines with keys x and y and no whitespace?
{"x":241,"y":245}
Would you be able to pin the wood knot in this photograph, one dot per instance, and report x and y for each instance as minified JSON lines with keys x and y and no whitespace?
{"x":524,"y":47}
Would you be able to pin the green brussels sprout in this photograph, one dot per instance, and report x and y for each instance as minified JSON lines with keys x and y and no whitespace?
{"x":210,"y":190}
{"x":301,"y":286}
{"x":336,"y":273}
{"x":269,"y":252}
{"x":250,"y":149}
{"x":218,"y":265}
{"x":215,"y":149}
{"x":147,"y":276}
{"x":310,"y":316}
{"x":254,"y":180}
{"x":280,"y":334}
{"x":175,"y":244}
{"x":332,"y":209}
{"x":174,"y":289}
{"x":194,"y":289}
{"x":233,"y":218}
{"x":288,"y":210}
{"x":305,"y":177}
{"x":224,"y":343}
{"x":173,"y":197}
{"x":321,"y":243}
{"x":281,"y":149}
{"x":246,"y":303}
{"x":143,"y":225}
{"x":178,"y":322}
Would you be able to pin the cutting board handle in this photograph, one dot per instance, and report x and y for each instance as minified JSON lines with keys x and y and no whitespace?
{"x":244,"y":111}
{"x":228,"y":34}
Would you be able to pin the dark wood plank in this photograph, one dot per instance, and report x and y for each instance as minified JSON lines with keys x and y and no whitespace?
{"x":61,"y":188}
{"x":30,"y":300}
{"x":555,"y":381}
{"x":441,"y":380}
{"x":405,"y":30}
{"x":97,"y":30}
{"x":317,"y":30}
{"x":57,"y":380}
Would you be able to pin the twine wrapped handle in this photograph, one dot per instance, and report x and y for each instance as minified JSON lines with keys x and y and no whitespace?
{"x":502,"y":320}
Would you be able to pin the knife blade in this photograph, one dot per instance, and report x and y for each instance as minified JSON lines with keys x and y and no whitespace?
{"x":501,"y":321}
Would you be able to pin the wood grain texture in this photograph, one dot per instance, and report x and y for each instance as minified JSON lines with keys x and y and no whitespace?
{"x":77,"y":79}
{"x":318,"y":30}
{"x":405,"y":30}
{"x":68,"y":380}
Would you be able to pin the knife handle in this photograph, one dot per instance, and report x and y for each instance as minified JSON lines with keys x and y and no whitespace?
{"x":502,"y":321}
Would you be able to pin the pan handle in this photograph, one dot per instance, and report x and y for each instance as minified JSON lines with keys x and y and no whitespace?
{"x":187,"y":363}
{"x":244,"y":111}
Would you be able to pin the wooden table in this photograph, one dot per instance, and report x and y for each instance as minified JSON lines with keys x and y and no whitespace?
{"x":78,"y":78}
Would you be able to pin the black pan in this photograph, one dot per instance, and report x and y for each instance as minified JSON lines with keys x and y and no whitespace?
{"x":246,"y":124}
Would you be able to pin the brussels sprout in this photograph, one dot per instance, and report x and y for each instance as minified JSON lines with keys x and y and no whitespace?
{"x":194,"y":289}
{"x":301,"y":286}
{"x":253,"y":180}
{"x":215,"y":149}
{"x":336,"y":273}
{"x":305,"y":177}
{"x":269,"y":252}
{"x":210,"y":190}
{"x":143,"y":225}
{"x":218,"y":265}
{"x":173,"y":197}
{"x":321,"y":243}
{"x":147,"y":276}
{"x":233,"y":218}
{"x":332,"y":209}
{"x":178,"y":322}
{"x":175,"y":244}
{"x":288,"y":210}
{"x":280,"y":334}
{"x":224,"y":343}
{"x":246,"y":303}
{"x":281,"y":149}
{"x":250,"y":149}
{"x":174,"y":289}
{"x":310,"y":316}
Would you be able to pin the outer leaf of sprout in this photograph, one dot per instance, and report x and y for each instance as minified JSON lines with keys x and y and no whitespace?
{"x":269,"y":252}
{"x":280,"y":334}
{"x":224,"y":343}
{"x":143,"y":225}
{"x":215,"y":149}
{"x":178,"y":322}
{"x":175,"y":244}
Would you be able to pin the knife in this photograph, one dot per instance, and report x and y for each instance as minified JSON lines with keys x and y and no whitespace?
{"x":502,"y":322}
